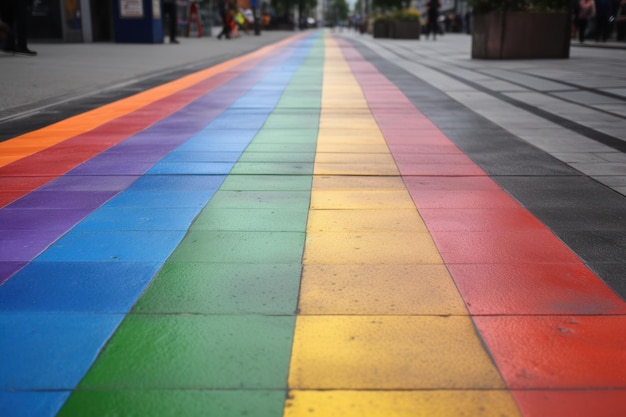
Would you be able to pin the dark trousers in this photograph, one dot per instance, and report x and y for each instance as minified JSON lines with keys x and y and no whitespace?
{"x":15,"y":14}
{"x":602,"y":26}
{"x":171,"y":11}
{"x":582,"y":29}
{"x":225,"y":26}
{"x":433,"y":25}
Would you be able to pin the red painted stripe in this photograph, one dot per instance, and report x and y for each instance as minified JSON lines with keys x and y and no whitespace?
{"x":524,"y":289}
{"x":23,"y":183}
{"x":557,"y":352}
{"x":577,"y":403}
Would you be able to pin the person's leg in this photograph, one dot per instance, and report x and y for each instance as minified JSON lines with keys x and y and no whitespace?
{"x":21,"y":25}
{"x":606,"y":26}
{"x":582,"y":28}
{"x":602,"y":22}
{"x":7,"y":13}
{"x":225,"y":27}
{"x":173,"y":13}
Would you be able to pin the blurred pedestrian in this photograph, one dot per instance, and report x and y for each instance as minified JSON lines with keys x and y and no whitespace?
{"x":603,"y":13}
{"x":227,"y":19}
{"x":586,"y":12}
{"x":241,"y":21}
{"x":433,"y":17}
{"x":15,"y":15}
{"x":5,"y":31}
{"x":620,"y":20}
{"x":170,"y":9}
{"x":248,"y":14}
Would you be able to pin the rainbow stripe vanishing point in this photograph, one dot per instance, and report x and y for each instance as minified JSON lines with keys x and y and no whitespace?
{"x":284,"y":234}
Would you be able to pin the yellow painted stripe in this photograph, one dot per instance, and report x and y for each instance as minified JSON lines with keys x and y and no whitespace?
{"x":37,"y":140}
{"x":400,"y":404}
{"x":382,"y":329}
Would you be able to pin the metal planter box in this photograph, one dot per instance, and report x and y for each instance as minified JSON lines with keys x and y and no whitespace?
{"x":401,"y":29}
{"x":521,"y":35}
{"x":381,"y":29}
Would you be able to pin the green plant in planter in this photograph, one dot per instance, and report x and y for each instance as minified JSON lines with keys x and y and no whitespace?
{"x":400,"y":23}
{"x":486,"y":6}
{"x":382,"y":18}
{"x":406,"y":15}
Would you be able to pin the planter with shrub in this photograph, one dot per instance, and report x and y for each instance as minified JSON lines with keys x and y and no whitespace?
{"x":405,"y":24}
{"x":381,"y":27}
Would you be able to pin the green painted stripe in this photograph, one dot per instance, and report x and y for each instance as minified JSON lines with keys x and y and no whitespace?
{"x":180,"y":403}
{"x":212,"y":334}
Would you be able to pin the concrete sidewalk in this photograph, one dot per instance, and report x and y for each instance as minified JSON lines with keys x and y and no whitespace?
{"x":62,"y":71}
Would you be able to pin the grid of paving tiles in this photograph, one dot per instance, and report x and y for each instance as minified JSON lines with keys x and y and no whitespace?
{"x":294,"y":238}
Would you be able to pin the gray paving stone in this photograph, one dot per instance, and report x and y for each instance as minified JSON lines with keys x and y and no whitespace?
{"x":587,"y":97}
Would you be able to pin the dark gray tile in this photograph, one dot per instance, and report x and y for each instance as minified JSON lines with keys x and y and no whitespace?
{"x":597,"y":246}
{"x":614,"y":274}
{"x":576,"y":191}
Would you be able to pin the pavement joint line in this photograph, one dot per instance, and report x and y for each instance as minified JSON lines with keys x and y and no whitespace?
{"x":572,"y":88}
{"x":552,"y":94}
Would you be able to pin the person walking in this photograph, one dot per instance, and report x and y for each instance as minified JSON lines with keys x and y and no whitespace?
{"x":227,"y":19}
{"x":586,"y":12}
{"x":15,"y":15}
{"x":603,"y":14}
{"x":170,"y":9}
{"x":433,"y":15}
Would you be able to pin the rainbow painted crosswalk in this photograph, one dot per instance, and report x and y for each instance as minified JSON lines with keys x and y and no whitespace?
{"x":285,"y":234}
